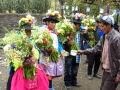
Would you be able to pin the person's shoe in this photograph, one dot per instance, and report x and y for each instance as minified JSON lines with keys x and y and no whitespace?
{"x":51,"y":89}
{"x":96,"y":76}
{"x":90,"y":77}
{"x":99,"y":74}
{"x":67,"y":84}
{"x":76,"y":85}
{"x":68,"y":87}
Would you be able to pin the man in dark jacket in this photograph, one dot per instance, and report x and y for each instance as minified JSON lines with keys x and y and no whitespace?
{"x":110,"y":47}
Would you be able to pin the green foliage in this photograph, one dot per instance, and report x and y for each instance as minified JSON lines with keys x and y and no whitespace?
{"x":23,"y":6}
{"x":94,"y":6}
{"x":29,"y":72}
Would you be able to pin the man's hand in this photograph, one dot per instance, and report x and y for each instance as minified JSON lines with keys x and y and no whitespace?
{"x":80,"y":52}
{"x":117,"y":78}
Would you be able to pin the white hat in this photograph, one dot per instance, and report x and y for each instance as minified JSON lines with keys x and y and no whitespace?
{"x":108,"y":19}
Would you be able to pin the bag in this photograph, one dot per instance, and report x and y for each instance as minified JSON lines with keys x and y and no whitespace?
{"x":40,"y":81}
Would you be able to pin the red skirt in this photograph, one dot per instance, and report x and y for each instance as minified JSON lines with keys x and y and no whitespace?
{"x":40,"y":81}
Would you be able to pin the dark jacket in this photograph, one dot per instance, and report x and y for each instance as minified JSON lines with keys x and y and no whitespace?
{"x":113,"y":51}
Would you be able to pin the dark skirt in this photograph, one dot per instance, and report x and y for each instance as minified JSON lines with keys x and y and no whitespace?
{"x":10,"y":78}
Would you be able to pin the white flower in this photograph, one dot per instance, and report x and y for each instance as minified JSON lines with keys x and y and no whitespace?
{"x":7,"y":48}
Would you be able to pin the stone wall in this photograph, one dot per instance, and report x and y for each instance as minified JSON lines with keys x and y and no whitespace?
{"x":11,"y":21}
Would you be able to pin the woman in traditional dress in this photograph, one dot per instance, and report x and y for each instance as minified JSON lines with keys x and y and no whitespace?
{"x":29,"y":76}
{"x":53,"y":69}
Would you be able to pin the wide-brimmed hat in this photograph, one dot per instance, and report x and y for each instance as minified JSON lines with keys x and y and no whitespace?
{"x":76,"y":21}
{"x":77,"y":18}
{"x":51,"y":18}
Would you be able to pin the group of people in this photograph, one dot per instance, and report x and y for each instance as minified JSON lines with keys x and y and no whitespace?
{"x":109,"y":45}
{"x":105,"y":50}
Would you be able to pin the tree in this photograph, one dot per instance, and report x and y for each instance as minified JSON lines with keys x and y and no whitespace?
{"x":94,"y":5}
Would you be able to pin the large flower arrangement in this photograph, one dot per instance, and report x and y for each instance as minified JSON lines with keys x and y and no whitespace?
{"x":18,"y":40}
{"x":64,"y":29}
{"x":45,"y":44}
{"x":89,"y":22}
{"x":66,"y":33}
{"x":19,"y":51}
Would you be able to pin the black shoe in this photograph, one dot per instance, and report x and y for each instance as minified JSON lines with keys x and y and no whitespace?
{"x":76,"y":85}
{"x":68,"y":84}
{"x":96,"y":76}
{"x":68,"y":87}
{"x":90,"y":77}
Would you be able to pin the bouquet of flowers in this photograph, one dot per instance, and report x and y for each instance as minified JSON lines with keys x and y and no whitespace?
{"x":66,"y":33}
{"x":45,"y":44}
{"x":17,"y":41}
{"x":90,"y":23}
{"x":64,"y":29}
{"x":19,"y":52}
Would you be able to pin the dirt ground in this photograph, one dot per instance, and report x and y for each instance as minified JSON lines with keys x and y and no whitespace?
{"x":85,"y":84}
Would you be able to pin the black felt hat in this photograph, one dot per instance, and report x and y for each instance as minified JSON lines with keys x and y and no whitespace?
{"x":76,"y":21}
{"x":51,"y":18}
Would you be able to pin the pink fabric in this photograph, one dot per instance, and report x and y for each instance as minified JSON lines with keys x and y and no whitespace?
{"x":40,"y":82}
{"x":105,"y":58}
